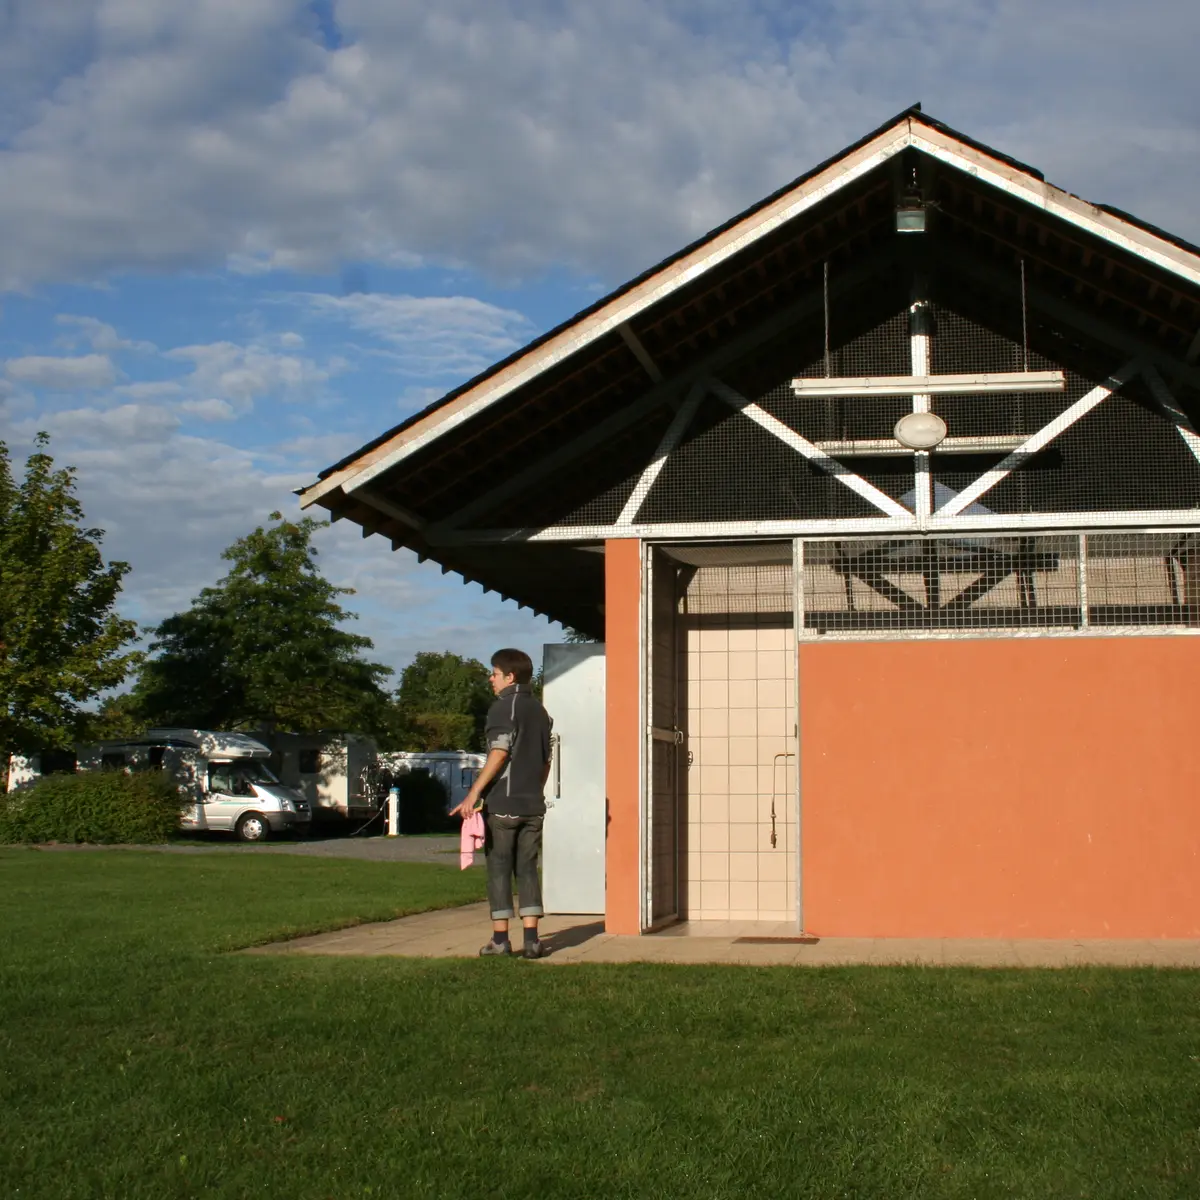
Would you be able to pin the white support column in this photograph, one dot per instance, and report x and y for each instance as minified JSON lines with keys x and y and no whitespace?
{"x":919,"y":350}
{"x":1083,"y":580}
{"x":789,"y":437}
{"x":670,"y":439}
{"x":1038,"y":441}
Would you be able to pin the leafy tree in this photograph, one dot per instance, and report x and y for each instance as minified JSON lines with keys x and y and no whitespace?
{"x":61,"y":643}
{"x":442,"y":703}
{"x":264,"y":647}
{"x":116,"y":718}
{"x":571,"y":635}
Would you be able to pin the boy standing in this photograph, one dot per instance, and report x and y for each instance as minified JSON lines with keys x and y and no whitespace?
{"x":512,"y":782}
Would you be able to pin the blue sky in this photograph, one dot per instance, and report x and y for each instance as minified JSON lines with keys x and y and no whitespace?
{"x":242,"y":237}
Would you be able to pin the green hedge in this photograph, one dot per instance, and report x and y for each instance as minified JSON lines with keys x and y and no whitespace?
{"x":93,"y":806}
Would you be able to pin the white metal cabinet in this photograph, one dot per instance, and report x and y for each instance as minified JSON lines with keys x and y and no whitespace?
{"x":573,"y":834}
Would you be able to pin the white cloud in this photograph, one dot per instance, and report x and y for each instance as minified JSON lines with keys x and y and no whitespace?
{"x":211,"y":409}
{"x":149,"y":389}
{"x":99,"y":335}
{"x":431,"y":335}
{"x":241,"y":374}
{"x":83,"y":373}
{"x":123,"y":426}
{"x":511,"y":136}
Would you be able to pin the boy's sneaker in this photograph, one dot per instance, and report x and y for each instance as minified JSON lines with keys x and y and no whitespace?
{"x":536,"y":949}
{"x":494,"y":947}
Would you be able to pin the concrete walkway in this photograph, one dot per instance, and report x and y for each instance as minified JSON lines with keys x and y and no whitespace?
{"x":459,"y":932}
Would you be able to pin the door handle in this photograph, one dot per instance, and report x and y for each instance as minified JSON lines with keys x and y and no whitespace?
{"x":556,"y":755}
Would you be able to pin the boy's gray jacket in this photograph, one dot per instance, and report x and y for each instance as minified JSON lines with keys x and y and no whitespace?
{"x":518,"y":723}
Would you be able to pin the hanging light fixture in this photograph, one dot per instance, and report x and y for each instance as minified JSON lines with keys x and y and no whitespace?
{"x":910,"y":214}
{"x":920,"y":430}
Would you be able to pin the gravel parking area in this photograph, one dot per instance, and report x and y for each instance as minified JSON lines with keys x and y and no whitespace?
{"x":438,"y":849}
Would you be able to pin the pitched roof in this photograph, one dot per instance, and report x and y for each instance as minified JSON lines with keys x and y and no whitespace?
{"x":912,"y":128}
{"x":598,"y":375}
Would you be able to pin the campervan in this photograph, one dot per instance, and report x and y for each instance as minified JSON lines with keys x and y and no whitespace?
{"x":224,"y":776}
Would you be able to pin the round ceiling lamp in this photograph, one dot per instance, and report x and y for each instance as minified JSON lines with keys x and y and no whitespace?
{"x":920,"y":430}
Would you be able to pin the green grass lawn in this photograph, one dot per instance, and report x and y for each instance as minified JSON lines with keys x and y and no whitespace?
{"x":138,"y":1058}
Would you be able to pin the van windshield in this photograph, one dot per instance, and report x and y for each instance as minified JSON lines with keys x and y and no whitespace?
{"x":235,"y":778}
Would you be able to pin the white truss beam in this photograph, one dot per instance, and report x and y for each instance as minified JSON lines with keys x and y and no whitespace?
{"x":639,"y":351}
{"x":670,"y":439}
{"x":385,"y":506}
{"x":772,"y":327}
{"x":789,"y":437}
{"x":987,"y":383}
{"x":1038,"y":441}
{"x":890,"y":448}
{"x":1170,"y":406}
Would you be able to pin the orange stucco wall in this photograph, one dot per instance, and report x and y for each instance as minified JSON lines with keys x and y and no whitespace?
{"x":1047,"y":787}
{"x":622,"y":618}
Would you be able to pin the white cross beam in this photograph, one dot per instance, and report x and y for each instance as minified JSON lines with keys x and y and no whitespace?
{"x":1038,"y":441}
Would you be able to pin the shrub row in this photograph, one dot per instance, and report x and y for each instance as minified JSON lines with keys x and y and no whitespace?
{"x":93,"y":806}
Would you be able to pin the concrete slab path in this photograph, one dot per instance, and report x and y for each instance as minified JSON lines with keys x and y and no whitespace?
{"x":459,"y":932}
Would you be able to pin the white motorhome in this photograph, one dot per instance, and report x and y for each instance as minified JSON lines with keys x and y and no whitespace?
{"x":224,"y":775}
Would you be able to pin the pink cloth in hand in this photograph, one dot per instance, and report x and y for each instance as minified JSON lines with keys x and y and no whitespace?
{"x":470,"y":839}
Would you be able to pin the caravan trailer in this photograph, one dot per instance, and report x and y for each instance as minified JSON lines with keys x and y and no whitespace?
{"x":455,"y":770}
{"x":334,"y":772}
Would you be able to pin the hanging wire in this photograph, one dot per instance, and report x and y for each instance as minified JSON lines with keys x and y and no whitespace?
{"x":826,"y":292}
{"x":1024,"y":319}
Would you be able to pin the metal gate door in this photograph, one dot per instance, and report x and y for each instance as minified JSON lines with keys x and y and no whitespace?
{"x":664,"y":740}
{"x":574,"y":830}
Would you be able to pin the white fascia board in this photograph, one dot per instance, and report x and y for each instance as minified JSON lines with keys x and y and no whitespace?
{"x":322,"y":487}
{"x":626,"y":307}
{"x":1058,"y":203}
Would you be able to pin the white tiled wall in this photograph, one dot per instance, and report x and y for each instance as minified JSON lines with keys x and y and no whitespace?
{"x":741,"y":714}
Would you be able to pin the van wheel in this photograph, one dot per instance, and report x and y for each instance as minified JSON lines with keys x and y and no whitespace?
{"x":253,"y":828}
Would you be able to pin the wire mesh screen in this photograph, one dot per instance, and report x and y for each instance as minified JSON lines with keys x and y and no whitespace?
{"x":1044,"y":582}
{"x":1118,"y":451}
{"x":765,"y":588}
{"x":727,"y":468}
{"x":1136,"y":579}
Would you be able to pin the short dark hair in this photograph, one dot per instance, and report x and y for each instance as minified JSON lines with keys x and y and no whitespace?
{"x":516,"y":663}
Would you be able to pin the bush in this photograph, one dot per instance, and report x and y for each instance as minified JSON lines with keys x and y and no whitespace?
{"x":93,"y":806}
